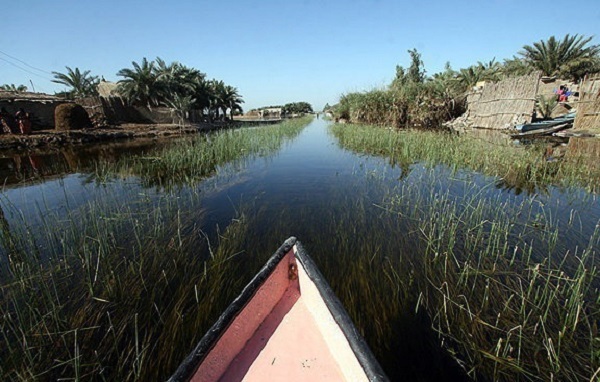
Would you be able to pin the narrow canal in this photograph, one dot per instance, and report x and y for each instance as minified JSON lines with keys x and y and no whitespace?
{"x":350,"y":210}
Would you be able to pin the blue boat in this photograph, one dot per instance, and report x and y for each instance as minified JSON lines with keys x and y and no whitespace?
{"x":567,"y":119}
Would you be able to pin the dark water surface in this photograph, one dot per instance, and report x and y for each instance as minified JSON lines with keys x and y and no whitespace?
{"x":326,"y":196}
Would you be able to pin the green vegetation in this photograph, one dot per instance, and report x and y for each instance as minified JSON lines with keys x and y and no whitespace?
{"x":193,"y":159}
{"x":545,"y":106}
{"x":297,"y":108}
{"x":156,"y":83}
{"x":411,"y":99}
{"x":493,"y":273}
{"x":13,"y":88}
{"x":520,"y":168}
{"x":414,"y":99}
{"x":123,"y":290}
{"x":571,"y":58}
{"x":497,"y":289}
{"x":80,"y":84}
{"x":123,"y":298}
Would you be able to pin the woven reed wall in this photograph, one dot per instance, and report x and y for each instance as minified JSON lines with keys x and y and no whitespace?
{"x":588,"y":107}
{"x":505,"y":103}
{"x":585,"y":149}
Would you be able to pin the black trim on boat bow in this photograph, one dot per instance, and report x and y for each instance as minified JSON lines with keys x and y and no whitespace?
{"x":365,"y":357}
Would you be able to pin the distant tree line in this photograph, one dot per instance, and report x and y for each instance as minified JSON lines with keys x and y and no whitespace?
{"x":13,"y":88}
{"x":158,"y":83}
{"x":290,"y":108}
{"x":416,"y":99}
{"x":297,"y":108}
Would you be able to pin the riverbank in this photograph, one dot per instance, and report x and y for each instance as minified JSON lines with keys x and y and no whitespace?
{"x":53,"y":138}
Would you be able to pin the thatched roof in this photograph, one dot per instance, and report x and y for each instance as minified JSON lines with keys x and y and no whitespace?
{"x":28,"y":96}
{"x":107,"y":89}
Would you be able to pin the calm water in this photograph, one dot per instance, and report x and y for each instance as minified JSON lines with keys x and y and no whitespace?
{"x":328,"y":197}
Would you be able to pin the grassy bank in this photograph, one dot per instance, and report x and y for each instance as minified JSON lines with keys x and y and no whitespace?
{"x":508,"y":295}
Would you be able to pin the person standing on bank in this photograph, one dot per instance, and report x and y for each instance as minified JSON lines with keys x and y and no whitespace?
{"x":4,"y":123}
{"x":23,"y":121}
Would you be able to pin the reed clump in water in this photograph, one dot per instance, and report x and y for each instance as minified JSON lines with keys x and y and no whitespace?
{"x":507,"y":293}
{"x":411,"y":100}
{"x":122,"y":289}
{"x":519,"y":168}
{"x":190,"y":160}
{"x":123,"y":296}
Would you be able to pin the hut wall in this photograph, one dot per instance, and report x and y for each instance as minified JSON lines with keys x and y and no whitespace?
{"x":588,"y":107}
{"x":40,"y":112}
{"x":506,"y":103}
{"x":114,"y":111}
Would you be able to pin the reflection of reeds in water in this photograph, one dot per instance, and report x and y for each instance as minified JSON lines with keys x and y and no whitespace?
{"x":508,"y":297}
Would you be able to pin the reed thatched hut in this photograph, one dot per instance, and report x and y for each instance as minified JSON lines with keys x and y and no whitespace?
{"x":40,"y":106}
{"x":588,"y":106}
{"x":503,"y":104}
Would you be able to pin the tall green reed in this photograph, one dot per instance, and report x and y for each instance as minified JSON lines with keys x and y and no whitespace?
{"x":519,"y":168}
{"x":123,"y":288}
{"x":507,"y":294}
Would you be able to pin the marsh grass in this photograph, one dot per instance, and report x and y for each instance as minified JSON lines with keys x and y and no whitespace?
{"x":123,"y":288}
{"x":191,"y":160}
{"x":125,"y":298}
{"x":499,"y":292}
{"x":508,"y":295}
{"x":519,"y":168}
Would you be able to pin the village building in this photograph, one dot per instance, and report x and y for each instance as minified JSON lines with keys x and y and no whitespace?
{"x":40,"y":106}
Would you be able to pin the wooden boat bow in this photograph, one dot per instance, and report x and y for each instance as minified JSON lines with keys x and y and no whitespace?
{"x":287,"y":324}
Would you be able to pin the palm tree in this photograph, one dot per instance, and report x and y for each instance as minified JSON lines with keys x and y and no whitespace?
{"x":141,"y":84}
{"x":514,"y":67}
{"x":491,"y":70}
{"x":81,"y":84}
{"x":572,"y":57}
{"x":176,"y":78}
{"x":13,"y":88}
{"x":181,"y":105}
{"x":216,"y":98}
{"x":232,"y":100}
{"x":445,"y":81}
{"x":470,"y":76}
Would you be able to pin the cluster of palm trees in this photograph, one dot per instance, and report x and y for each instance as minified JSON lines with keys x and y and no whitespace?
{"x":158,"y":83}
{"x":570,"y":59}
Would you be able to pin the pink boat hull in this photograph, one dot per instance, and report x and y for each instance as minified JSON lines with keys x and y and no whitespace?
{"x":284,"y":327}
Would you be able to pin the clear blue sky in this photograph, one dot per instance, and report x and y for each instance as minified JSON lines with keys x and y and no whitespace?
{"x":276,"y":52}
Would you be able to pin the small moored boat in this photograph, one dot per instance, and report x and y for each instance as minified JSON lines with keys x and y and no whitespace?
{"x":286,"y":325}
{"x":545,"y":127}
{"x":542,"y":131}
